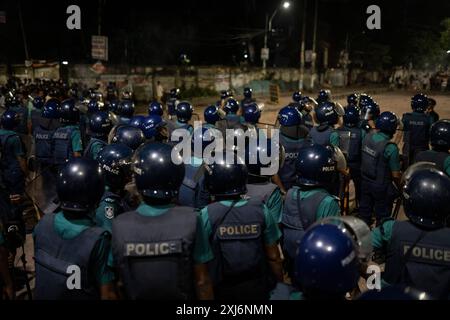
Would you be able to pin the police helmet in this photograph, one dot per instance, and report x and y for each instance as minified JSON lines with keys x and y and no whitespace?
{"x":440,"y":134}
{"x":155,"y":108}
{"x":151,"y":124}
{"x":68,"y":112}
{"x":184,"y":111}
{"x":289,"y":117}
{"x":126,"y":108}
{"x":99,"y":124}
{"x":174,"y":93}
{"x":128,"y":135}
{"x":324,"y":96}
{"x":352,"y":115}
{"x":212,"y":114}
{"x":80,"y":185}
{"x":315,"y":166}
{"x":326,"y":113}
{"x":352,"y":99}
{"x":224,"y":94}
{"x":51,"y":109}
{"x":137,"y":121}
{"x":9,"y":120}
{"x":420,"y":103}
{"x":38,"y":102}
{"x":156,"y":174}
{"x":248,"y":92}
{"x":387,"y":123}
{"x":252,"y":113}
{"x":93,"y":106}
{"x":115,"y":161}
{"x":113,"y":106}
{"x":297,"y":96}
{"x":369,"y":110}
{"x":231,"y":106}
{"x":365,"y":99}
{"x":426,"y":194}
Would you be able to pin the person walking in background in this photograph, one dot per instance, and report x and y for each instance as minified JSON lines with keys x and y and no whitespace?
{"x":159,"y":91}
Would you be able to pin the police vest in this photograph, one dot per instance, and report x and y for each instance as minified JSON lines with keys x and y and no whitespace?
{"x":62,"y":145}
{"x":233,"y":121}
{"x":54,"y":257}
{"x":35,"y":119}
{"x":298,"y":215}
{"x":350,"y":140}
{"x":246,"y":102}
{"x":428,"y":266}
{"x":43,"y":145}
{"x":192,"y":192}
{"x":417,"y":128}
{"x":374,"y":166}
{"x":261,"y":191}
{"x":154,"y":254}
{"x":321,"y":135}
{"x":10,"y":166}
{"x":237,"y":242}
{"x":438,"y":158}
{"x":287,"y":172}
{"x":88,"y":152}
{"x":22,"y":113}
{"x":308,"y":120}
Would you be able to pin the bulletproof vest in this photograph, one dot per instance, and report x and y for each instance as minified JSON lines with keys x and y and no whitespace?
{"x":54,"y":257}
{"x":298,"y":215}
{"x":154,"y":254}
{"x":428,"y":266}
{"x":374,"y":166}
{"x":308,"y":120}
{"x":246,"y":102}
{"x":417,"y":128}
{"x":22,"y":113}
{"x":35,"y":118}
{"x":321,"y":137}
{"x":350,"y":143}
{"x":88,"y":151}
{"x":237,"y":242}
{"x":9,"y":165}
{"x":62,"y":145}
{"x":43,"y":144}
{"x":438,"y":158}
{"x":233,"y":121}
{"x":192,"y":191}
{"x":287,"y":172}
{"x":261,"y":191}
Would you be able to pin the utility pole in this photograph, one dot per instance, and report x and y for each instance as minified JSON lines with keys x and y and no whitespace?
{"x":99,"y":30}
{"x":264,"y":61}
{"x":314,"y":54}
{"x":302,"y":47}
{"x":24,"y":37}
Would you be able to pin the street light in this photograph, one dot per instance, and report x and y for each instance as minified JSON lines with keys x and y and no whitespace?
{"x":286,"y":5}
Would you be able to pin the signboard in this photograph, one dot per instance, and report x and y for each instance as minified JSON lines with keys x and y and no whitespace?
{"x":310,"y":56}
{"x":264,"y":53}
{"x":274,"y":93}
{"x":98,"y":68}
{"x":99,"y":48}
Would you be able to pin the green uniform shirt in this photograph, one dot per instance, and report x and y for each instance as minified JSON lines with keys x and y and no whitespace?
{"x":106,"y":211}
{"x":202,"y":249}
{"x":69,"y":229}
{"x":180,"y":124}
{"x":446,"y":164}
{"x":274,"y":205}
{"x":329,"y":207}
{"x":334,"y":139}
{"x":95,"y":149}
{"x":77,"y":145}
{"x":271,"y":233}
{"x":381,"y":236}
{"x":14,"y":142}
{"x":391,"y":153}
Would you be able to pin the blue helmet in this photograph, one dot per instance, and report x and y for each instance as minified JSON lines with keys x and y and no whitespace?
{"x":200,"y":134}
{"x":420,"y":103}
{"x":99,"y":124}
{"x":155,"y":108}
{"x":395,"y":292}
{"x":253,"y":157}
{"x":231,"y":106}
{"x":224,"y":94}
{"x":297,"y":96}
{"x":426,"y":194}
{"x":38,"y":102}
{"x":156,"y":174}
{"x":352,"y":99}
{"x":327,"y":261}
{"x":126,"y":109}
{"x":68,"y":112}
{"x":151,"y":125}
{"x":80,"y":185}
{"x":93,"y":106}
{"x":289,"y":117}
{"x":212,"y":115}
{"x":364,"y":100}
{"x":137,"y":121}
{"x":51,"y":109}
{"x":370,"y":110}
{"x":128,"y":135}
{"x":10,"y":120}
{"x":184,"y":111}
{"x":326,"y":113}
{"x":440,"y":134}
{"x":252,"y":113}
{"x":174,"y":93}
{"x":352,"y":116}
{"x":248,"y":92}
{"x":315,"y":166}
{"x":226,"y":179}
{"x":324,"y":96}
{"x":113,"y":106}
{"x":387,"y":123}
{"x":115,"y":161}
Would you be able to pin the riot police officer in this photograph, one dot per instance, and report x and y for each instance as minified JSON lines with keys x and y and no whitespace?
{"x":251,"y":115}
{"x":115,"y":161}
{"x":380,"y":167}
{"x":35,"y":113}
{"x":13,"y":163}
{"x":327,"y":116}
{"x":324,"y":96}
{"x":172,"y":102}
{"x":417,"y":250}
{"x":308,"y":201}
{"x":137,"y":121}
{"x":370,"y":111}
{"x":99,"y":127}
{"x":69,"y":238}
{"x":440,"y":144}
{"x":125,"y":111}
{"x":154,"y":128}
{"x":155,"y":108}
{"x":231,"y":108}
{"x":416,"y":127}
{"x":15,"y":104}
{"x":293,"y":136}
{"x":244,"y":235}
{"x":184,"y":111}
{"x":212,"y":115}
{"x":161,"y":249}
{"x":248,"y":98}
{"x":128,"y":135}
{"x":67,"y":142}
{"x":353,"y":99}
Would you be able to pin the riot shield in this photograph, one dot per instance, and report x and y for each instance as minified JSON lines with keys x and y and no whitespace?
{"x":42,"y":190}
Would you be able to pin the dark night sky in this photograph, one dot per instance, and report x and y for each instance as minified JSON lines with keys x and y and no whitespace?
{"x":156,"y":32}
